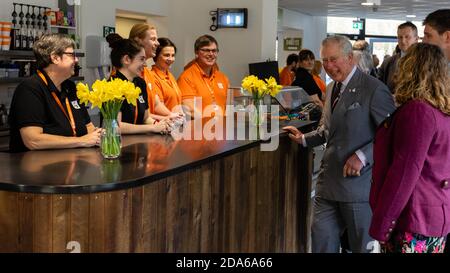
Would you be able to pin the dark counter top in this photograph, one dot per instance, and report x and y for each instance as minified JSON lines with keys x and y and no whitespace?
{"x":144,"y":158}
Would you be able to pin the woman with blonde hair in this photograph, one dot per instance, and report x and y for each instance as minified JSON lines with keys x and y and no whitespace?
{"x":410,"y":195}
{"x":146,"y":35}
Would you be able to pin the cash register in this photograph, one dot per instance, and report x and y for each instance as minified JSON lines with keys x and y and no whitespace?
{"x":295,"y":103}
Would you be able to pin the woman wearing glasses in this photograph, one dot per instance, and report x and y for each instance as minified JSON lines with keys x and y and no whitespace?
{"x":202,"y":79}
{"x":45,"y":111}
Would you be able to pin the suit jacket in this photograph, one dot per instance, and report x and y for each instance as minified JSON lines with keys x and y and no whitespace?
{"x":411,"y":175}
{"x":364,"y":104}
{"x":387,"y":71}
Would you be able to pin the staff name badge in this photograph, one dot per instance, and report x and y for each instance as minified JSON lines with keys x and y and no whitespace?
{"x":141,"y":99}
{"x":75,"y":104}
{"x":220,"y":85}
{"x":150,"y":86}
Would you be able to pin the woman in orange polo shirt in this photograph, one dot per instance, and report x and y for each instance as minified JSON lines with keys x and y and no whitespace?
{"x":165,"y":83}
{"x":202,"y":79}
{"x":146,"y":36}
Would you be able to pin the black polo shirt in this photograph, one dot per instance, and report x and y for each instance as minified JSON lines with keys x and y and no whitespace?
{"x":33,"y":105}
{"x":305,"y":80}
{"x":128,"y":110}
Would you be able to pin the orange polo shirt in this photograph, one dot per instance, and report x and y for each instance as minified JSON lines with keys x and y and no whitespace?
{"x":149,"y":78}
{"x":166,"y":87}
{"x":193,"y":82}
{"x":287,"y":76}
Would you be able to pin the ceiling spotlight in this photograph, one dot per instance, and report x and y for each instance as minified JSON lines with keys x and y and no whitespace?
{"x":411,"y":16}
{"x":371,"y":3}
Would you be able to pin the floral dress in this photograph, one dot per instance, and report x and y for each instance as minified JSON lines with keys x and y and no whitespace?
{"x":407,"y":242}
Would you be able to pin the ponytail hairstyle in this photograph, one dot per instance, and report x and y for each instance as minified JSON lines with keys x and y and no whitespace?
{"x":120,"y":48}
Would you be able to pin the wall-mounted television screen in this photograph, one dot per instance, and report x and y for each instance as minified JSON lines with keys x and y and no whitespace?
{"x":232,"y":18}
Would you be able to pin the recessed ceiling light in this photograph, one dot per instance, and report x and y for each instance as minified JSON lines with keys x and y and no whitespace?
{"x":367,"y":4}
{"x":411,"y":16}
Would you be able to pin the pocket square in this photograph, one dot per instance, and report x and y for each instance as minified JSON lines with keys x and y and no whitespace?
{"x":354,"y":106}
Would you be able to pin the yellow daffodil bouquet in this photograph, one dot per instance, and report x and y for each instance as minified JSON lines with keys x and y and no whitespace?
{"x":108,"y":97}
{"x":258,"y":89}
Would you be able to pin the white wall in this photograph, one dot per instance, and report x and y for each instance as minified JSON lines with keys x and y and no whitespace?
{"x":313,"y":29}
{"x":238,"y":47}
{"x":98,"y":13}
{"x":283,"y":54}
{"x":183,"y":21}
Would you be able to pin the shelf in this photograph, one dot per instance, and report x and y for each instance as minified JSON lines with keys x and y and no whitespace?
{"x":17,"y":53}
{"x":20,"y":79}
{"x":25,"y":54}
{"x":64,"y":27}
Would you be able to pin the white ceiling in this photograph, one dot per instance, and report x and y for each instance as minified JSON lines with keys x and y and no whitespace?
{"x":388,"y":9}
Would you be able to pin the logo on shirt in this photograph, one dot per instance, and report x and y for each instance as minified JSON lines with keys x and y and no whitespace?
{"x":141,"y":99}
{"x":220,"y":85}
{"x":75,"y":104}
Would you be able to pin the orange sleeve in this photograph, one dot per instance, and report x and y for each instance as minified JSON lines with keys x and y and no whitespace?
{"x":150,"y":81}
{"x":285,"y":77}
{"x":320,"y":83}
{"x":187,"y":87}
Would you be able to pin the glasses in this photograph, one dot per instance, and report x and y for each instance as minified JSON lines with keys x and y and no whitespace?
{"x":332,"y":59}
{"x":71,"y":54}
{"x":206,"y":50}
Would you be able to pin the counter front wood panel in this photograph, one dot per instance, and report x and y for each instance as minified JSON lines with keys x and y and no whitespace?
{"x":245,"y":202}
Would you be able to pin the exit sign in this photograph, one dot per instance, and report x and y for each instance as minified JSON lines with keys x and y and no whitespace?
{"x":357,"y":25}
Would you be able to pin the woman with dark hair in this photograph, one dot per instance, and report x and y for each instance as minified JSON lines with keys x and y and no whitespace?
{"x":128,"y":59}
{"x":45,"y":111}
{"x":165,"y":83}
{"x":410,"y":195}
{"x":304,"y":78}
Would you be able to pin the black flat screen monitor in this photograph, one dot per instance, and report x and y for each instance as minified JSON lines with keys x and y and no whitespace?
{"x":232,"y":18}
{"x":264,"y":70}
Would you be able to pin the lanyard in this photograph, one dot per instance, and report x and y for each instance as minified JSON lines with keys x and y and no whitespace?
{"x":211,"y":90}
{"x":136,"y":113}
{"x":69,"y":110}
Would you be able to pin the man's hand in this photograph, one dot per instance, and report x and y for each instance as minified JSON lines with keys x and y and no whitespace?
{"x":294,"y":134}
{"x":353,"y":166}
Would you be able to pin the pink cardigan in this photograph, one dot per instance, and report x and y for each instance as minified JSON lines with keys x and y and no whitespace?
{"x":411,"y":174}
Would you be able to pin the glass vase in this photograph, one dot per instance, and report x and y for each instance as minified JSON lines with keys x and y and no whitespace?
{"x":111,"y":139}
{"x":256,"y":113}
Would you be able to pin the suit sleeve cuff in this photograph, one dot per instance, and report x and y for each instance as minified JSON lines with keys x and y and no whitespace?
{"x":361,"y":157}
{"x":304,"y":141}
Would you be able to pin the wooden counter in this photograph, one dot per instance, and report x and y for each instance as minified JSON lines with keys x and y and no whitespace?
{"x":160,"y":196}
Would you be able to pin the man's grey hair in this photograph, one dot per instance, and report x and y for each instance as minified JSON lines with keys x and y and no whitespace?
{"x":342,"y":41}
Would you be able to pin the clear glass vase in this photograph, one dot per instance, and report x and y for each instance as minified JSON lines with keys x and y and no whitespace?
{"x":111,"y":139}
{"x":257,"y":113}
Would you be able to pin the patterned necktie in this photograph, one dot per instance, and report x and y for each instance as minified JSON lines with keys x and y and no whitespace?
{"x":335,"y":94}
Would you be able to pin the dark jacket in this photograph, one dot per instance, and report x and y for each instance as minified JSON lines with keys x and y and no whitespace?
{"x":387,"y":71}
